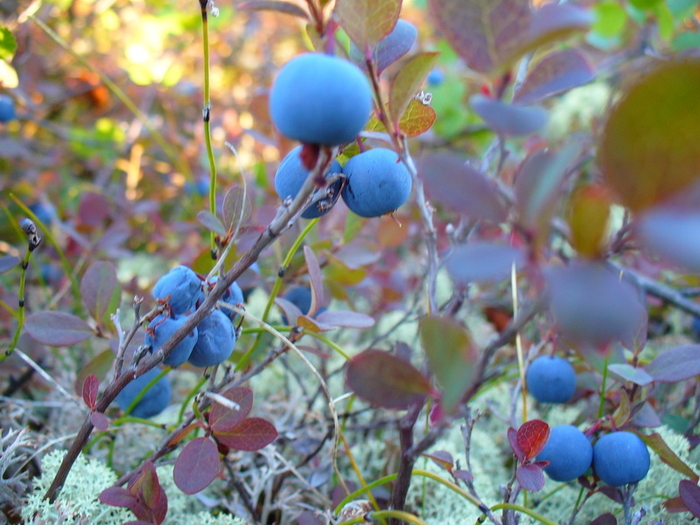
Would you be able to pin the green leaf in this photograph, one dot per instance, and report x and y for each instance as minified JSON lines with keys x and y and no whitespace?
{"x":610,"y":19}
{"x":451,"y":356}
{"x":8,"y":44}
{"x":685,"y":40}
{"x":367,"y":21}
{"x":649,"y":149}
{"x":407,"y":82}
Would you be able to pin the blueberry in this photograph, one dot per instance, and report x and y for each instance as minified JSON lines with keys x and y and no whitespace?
{"x":377,"y":183}
{"x":436,"y":77}
{"x":551,"y":379}
{"x":161,"y":328}
{"x":320,"y":99}
{"x":569,"y":453}
{"x":232,"y":296}
{"x":153,"y":402}
{"x":620,"y":458}
{"x":180,"y":288}
{"x":290,"y":177}
{"x":199,"y":187}
{"x":7,"y":109}
{"x":215,"y":340}
{"x":300,"y":296}
{"x":44,"y":212}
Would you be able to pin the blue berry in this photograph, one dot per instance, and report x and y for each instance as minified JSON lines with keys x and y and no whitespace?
{"x":7,"y":109}
{"x":436,"y":77}
{"x":300,"y":296}
{"x":377,"y":183}
{"x":44,"y":212}
{"x":180,"y":288}
{"x":551,"y":379}
{"x":153,"y":402}
{"x":215,"y":340}
{"x":161,"y":328}
{"x":291,"y":175}
{"x":620,"y":458}
{"x":569,"y":453}
{"x":320,"y":99}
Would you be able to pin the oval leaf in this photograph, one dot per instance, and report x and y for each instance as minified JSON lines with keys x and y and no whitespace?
{"x":677,"y":364}
{"x":638,"y":376}
{"x":453,"y":183}
{"x":222,"y":417}
{"x":418,"y":118}
{"x":90,"y":388}
{"x":557,"y":72}
{"x":253,"y":433}
{"x":508,"y":119}
{"x":197,"y":465}
{"x":672,"y":233}
{"x":367,"y":21}
{"x":236,"y":208}
{"x":211,"y":222}
{"x":690,"y":496}
{"x":531,"y":437}
{"x":99,"y":421}
{"x":591,"y":304}
{"x":530,"y":477}
{"x":97,"y":366}
{"x":649,"y":148}
{"x":407,"y":81}
{"x":451,"y":356}
{"x":57,"y":328}
{"x":117,"y":497}
{"x":98,"y":287}
{"x":482,"y":262}
{"x":385,"y":380}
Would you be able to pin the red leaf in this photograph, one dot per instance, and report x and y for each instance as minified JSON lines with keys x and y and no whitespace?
{"x":57,"y":328}
{"x":690,"y":496}
{"x":222,"y":417}
{"x":252,"y":433}
{"x":532,"y":436}
{"x":530,"y":477}
{"x":675,"y":505}
{"x":147,"y":485}
{"x":117,"y":497}
{"x":90,"y":388}
{"x":197,"y":465}
{"x":99,"y":421}
{"x":386,"y":380}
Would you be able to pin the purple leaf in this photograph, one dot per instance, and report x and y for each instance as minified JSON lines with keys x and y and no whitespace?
{"x":530,"y":477}
{"x":236,"y":208}
{"x":557,"y":72}
{"x":451,"y":356}
{"x":345,"y":319}
{"x":385,"y":380}
{"x":99,"y":421}
{"x":554,"y":22}
{"x":197,"y":465}
{"x":482,"y":262}
{"x":7,"y":262}
{"x":253,"y":433}
{"x":290,"y":310}
{"x":224,"y":418}
{"x":508,"y":119}
{"x":57,"y":328}
{"x":117,"y":497}
{"x":316,"y":280}
{"x":638,"y":376}
{"x":97,"y":366}
{"x":211,"y":222}
{"x":98,"y":288}
{"x":676,"y":364}
{"x":612,"y":493}
{"x":673,"y":233}
{"x":442,"y":459}
{"x":605,"y":519}
{"x":591,"y":304}
{"x":513,"y":440}
{"x":395,"y":45}
{"x":463,"y":189}
{"x":464,"y":475}
{"x":690,"y":496}
{"x":646,"y":416}
{"x":90,"y":387}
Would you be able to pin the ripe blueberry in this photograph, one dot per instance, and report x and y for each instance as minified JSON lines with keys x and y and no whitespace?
{"x":153,"y":402}
{"x":180,"y":288}
{"x":215,"y":340}
{"x":290,"y":177}
{"x":320,"y":99}
{"x":620,"y":458}
{"x":551,"y":379}
{"x":7,"y":109}
{"x":377,"y":183}
{"x":569,"y":453}
{"x":161,"y":328}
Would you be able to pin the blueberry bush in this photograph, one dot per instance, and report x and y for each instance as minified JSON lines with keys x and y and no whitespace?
{"x":350,"y":261}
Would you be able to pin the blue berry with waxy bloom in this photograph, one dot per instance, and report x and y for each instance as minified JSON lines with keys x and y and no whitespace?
{"x":179,"y":288}
{"x":7,"y":109}
{"x":300,"y":296}
{"x":320,"y":99}
{"x":161,"y":328}
{"x":377,"y":183}
{"x":292,"y":174}
{"x":232,"y":296}
{"x":215,"y":340}
{"x":154,"y":401}
{"x":551,"y":379}
{"x":568,"y":451}
{"x":620,"y":458}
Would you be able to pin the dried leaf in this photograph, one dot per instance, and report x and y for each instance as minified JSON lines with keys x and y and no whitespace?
{"x":531,"y":437}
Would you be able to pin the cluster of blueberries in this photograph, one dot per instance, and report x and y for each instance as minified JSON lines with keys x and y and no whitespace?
{"x":617,"y":458}
{"x":210,"y":343}
{"x":325,"y":100}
